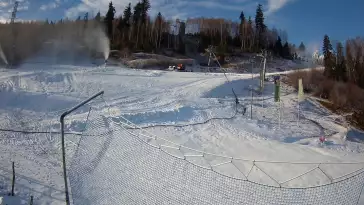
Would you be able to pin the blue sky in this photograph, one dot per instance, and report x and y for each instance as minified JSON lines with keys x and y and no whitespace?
{"x":304,"y":20}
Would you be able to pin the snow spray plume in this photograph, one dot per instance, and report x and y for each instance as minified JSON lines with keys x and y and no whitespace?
{"x":73,"y":43}
{"x":106,"y":46}
{"x":97,"y":40}
{"x":2,"y":55}
{"x":312,"y":49}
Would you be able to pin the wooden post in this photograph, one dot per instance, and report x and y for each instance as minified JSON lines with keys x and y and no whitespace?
{"x":300,"y":98}
{"x":251,"y":104}
{"x":31,"y":200}
{"x":13,"y":181}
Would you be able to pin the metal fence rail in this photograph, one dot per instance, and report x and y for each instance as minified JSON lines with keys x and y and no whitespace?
{"x":63,"y":140}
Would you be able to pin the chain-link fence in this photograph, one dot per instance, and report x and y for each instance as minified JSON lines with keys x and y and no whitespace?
{"x":117,"y":163}
{"x":37,"y":169}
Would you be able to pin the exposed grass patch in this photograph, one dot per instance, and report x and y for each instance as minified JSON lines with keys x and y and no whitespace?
{"x":345,"y":97}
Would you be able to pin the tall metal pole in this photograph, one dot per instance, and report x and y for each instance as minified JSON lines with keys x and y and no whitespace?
{"x":13,"y":13}
{"x":64,"y":162}
{"x":63,"y":144}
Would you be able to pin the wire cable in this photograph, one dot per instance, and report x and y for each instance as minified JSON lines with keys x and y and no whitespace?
{"x":38,"y":132}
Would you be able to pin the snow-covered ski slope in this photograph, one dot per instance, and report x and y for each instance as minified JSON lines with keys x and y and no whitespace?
{"x":34,"y":96}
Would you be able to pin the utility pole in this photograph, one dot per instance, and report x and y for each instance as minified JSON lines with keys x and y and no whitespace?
{"x":12,"y":20}
{"x":13,"y":13}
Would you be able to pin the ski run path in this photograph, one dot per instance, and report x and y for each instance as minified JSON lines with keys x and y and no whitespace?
{"x":33,"y":97}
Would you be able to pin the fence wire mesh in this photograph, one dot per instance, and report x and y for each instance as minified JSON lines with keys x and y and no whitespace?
{"x":33,"y":143}
{"x":117,"y":165}
{"x":37,"y":167}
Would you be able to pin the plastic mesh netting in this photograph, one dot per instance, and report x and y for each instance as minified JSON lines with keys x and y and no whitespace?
{"x":113,"y":166}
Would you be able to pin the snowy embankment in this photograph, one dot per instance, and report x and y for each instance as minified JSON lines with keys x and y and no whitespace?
{"x":34,"y":96}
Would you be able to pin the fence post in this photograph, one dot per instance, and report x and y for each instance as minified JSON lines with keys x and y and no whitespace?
{"x":31,"y":200}
{"x":13,"y":180}
{"x":63,"y":145}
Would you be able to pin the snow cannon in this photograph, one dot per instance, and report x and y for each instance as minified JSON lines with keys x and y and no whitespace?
{"x":105,"y":62}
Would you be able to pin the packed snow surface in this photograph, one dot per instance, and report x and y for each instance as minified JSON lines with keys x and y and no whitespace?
{"x":35,"y":95}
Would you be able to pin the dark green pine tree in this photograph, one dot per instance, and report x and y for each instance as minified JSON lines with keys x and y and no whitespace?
{"x":137,"y":14}
{"x":260,"y":26}
{"x":327,"y":51}
{"x":242,"y":29}
{"x":242,"y":16}
{"x":302,"y":47}
{"x":250,"y":33}
{"x":145,"y":8}
{"x":286,"y":51}
{"x":121,"y":24}
{"x":109,"y":18}
{"x":182,"y":31}
{"x":340,"y":68}
{"x":98,"y":17}
{"x":120,"y":27}
{"x":145,"y":41}
{"x":127,"y":15}
{"x":259,"y":19}
{"x":278,"y":47}
{"x":137,"y":20}
{"x":126,"y":22}
{"x":159,"y":18}
{"x":159,"y":21}
{"x":242,"y":21}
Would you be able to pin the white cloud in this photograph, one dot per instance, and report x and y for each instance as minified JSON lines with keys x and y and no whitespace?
{"x":22,"y":6}
{"x":9,"y":5}
{"x":3,"y":19}
{"x":51,"y":5}
{"x":274,"y":5}
{"x":175,"y":8}
{"x":215,"y":4}
{"x":93,"y":6}
{"x":6,"y":7}
{"x":3,"y":4}
{"x":169,"y":8}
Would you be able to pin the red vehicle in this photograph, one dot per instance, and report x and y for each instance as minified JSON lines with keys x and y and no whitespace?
{"x":181,"y":67}
{"x":322,"y":139}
